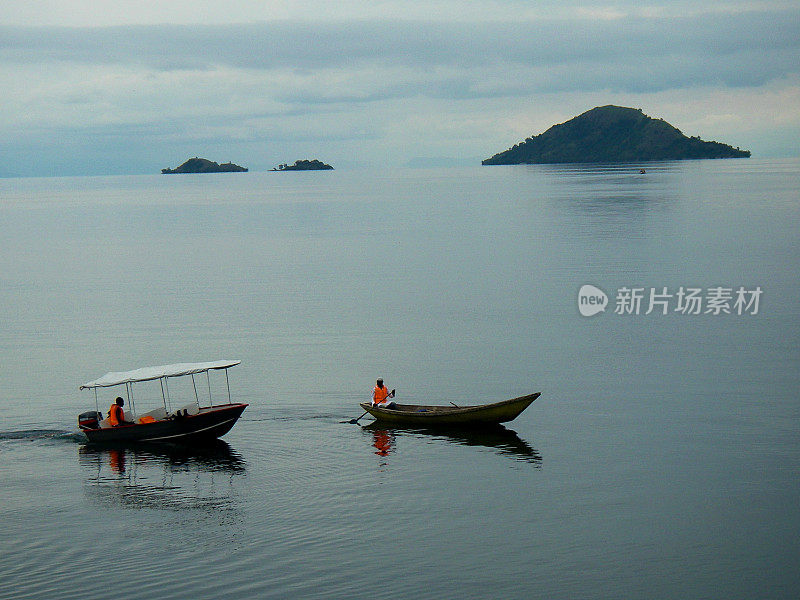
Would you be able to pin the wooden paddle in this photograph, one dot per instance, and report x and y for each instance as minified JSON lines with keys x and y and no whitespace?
{"x":354,"y":421}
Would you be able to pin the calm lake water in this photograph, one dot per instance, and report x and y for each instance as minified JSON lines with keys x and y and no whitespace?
{"x":661,"y":460}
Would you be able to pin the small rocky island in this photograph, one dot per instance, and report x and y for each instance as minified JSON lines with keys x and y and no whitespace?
{"x":201,"y":165}
{"x":612,"y":134}
{"x":304,"y":165}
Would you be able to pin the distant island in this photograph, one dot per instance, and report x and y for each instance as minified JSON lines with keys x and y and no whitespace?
{"x":304,"y":165}
{"x":612,"y":134}
{"x":201,"y":165}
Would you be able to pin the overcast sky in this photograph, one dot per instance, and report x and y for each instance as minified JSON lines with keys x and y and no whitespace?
{"x":131,"y":87}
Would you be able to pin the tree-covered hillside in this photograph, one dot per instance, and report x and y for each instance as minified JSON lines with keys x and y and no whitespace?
{"x":612,"y":134}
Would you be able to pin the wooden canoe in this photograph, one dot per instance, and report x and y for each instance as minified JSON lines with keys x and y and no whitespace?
{"x":433,"y":416}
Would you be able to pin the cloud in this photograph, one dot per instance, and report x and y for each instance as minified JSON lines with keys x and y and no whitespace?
{"x":424,"y":44}
{"x":375,"y":60}
{"x":196,"y":12}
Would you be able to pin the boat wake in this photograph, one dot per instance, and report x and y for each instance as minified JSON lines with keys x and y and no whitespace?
{"x":296,"y":417}
{"x":34,"y":435}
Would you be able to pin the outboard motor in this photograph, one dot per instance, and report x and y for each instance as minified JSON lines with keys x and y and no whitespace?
{"x":90,"y":420}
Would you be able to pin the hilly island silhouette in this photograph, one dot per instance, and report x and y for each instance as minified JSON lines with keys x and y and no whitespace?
{"x":612,"y":134}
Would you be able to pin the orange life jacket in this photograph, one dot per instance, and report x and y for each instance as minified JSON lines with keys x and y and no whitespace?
{"x":379,"y":395}
{"x":116,"y":415}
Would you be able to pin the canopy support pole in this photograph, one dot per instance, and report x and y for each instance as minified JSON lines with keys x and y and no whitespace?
{"x":196,"y":397}
{"x":208,"y":379}
{"x":166,"y":387}
{"x":96,"y":403}
{"x":228,"y":384}
{"x":163,"y":395}
{"x":129,"y":394}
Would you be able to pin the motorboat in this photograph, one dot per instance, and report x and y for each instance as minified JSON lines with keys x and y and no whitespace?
{"x":190,"y":423}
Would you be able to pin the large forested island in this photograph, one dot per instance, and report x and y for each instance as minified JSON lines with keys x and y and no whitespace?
{"x":612,"y":134}
{"x":304,"y":165}
{"x":201,"y":165}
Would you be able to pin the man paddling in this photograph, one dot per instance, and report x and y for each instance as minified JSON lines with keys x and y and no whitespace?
{"x":116,"y":415}
{"x":381,"y":395}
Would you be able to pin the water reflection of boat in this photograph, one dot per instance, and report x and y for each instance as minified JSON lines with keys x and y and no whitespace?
{"x":216,"y":455}
{"x":167,"y":477}
{"x":505,"y":441}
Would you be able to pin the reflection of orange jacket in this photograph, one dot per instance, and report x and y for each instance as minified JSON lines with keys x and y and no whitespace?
{"x":117,"y":460}
{"x":116,"y":415}
{"x":379,"y":395}
{"x":382,"y":441}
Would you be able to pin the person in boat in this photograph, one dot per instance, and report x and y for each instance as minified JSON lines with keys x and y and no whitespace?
{"x":381,"y":395}
{"x":116,"y":414}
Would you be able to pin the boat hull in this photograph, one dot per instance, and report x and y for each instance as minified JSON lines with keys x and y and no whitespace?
{"x":210,"y":423}
{"x":463,"y":416}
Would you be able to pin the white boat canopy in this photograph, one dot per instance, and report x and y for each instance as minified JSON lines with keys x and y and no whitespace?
{"x":151,"y":373}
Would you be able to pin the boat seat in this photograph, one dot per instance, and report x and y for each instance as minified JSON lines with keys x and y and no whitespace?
{"x":158,"y":414}
{"x":191,"y":409}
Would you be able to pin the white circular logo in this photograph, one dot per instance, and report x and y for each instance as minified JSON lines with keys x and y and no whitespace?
{"x":591,"y":300}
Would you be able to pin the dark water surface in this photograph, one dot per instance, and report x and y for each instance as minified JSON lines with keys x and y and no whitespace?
{"x":661,"y":460}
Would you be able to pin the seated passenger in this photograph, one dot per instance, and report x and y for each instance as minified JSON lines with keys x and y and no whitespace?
{"x":116,"y":415}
